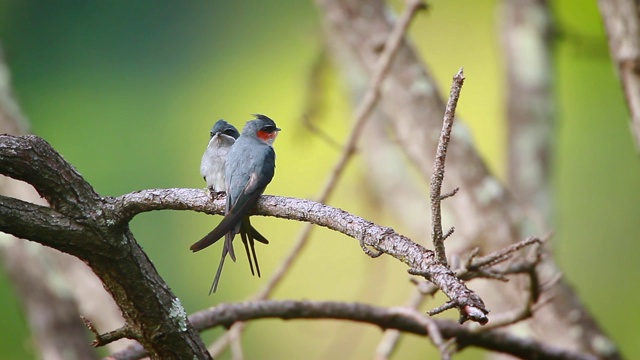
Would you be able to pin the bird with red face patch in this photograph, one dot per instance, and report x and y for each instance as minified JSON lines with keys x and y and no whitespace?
{"x":249,"y":168}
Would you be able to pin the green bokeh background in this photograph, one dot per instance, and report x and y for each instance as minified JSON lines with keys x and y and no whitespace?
{"x":127,"y":91}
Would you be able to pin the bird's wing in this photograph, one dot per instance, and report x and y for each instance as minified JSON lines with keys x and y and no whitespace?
{"x":238,"y":206}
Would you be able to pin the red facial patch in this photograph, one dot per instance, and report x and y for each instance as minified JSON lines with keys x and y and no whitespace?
{"x":266,"y":136}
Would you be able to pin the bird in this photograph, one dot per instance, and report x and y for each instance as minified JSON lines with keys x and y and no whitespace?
{"x":223,"y":136}
{"x":249,"y":168}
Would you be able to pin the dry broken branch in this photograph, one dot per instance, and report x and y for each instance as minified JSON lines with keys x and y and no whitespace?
{"x":437,"y":176}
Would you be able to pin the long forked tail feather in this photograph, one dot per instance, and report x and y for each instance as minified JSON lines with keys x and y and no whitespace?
{"x":216,"y":280}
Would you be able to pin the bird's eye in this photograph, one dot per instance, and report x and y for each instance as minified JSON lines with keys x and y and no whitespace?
{"x":211,"y":133}
{"x":269,"y":128}
{"x":229,"y":132}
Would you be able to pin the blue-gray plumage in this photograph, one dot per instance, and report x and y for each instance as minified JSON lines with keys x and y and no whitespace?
{"x":249,"y":168}
{"x":223,"y":135}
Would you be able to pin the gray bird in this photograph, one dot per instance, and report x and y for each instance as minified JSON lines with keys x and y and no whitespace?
{"x":249,"y":168}
{"x":223,"y":135}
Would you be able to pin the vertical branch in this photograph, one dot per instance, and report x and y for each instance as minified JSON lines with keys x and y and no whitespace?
{"x":438,"y":169}
{"x":526,"y":35}
{"x":622,"y":22}
{"x":372,"y":95}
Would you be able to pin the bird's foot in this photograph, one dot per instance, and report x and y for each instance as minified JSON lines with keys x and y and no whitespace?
{"x":215,"y":195}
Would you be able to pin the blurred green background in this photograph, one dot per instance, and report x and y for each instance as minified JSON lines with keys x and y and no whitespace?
{"x":127,"y":91}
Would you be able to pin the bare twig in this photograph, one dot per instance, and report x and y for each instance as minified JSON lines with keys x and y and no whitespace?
{"x":535,"y":300}
{"x":318,"y":131}
{"x":314,"y":93}
{"x":436,"y":338}
{"x":474,"y":263}
{"x":124,"y":332}
{"x":437,"y":176}
{"x":372,"y":95}
{"x":448,"y":233}
{"x":442,"y":308}
{"x":223,"y":341}
{"x":431,"y":326}
{"x":438,"y":238}
{"x":236,"y":344}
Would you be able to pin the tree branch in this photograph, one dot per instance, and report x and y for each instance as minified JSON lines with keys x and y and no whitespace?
{"x":31,"y":159}
{"x":125,"y":207}
{"x":413,"y":103}
{"x":401,"y":318}
{"x":101,"y":235}
{"x":30,"y":221}
{"x":383,"y":239}
{"x":437,"y":175}
{"x":53,"y":287}
{"x":622,"y":22}
{"x":527,"y":34}
{"x":154,"y":314}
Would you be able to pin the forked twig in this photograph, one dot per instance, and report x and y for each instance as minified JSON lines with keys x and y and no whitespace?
{"x":437,"y":176}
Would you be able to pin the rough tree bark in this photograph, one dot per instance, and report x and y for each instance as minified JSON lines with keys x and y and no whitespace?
{"x":49,"y":304}
{"x":622,"y":22}
{"x":83,"y":224}
{"x":526,"y":33}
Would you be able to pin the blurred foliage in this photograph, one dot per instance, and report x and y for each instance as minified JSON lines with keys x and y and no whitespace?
{"x":127,"y":92}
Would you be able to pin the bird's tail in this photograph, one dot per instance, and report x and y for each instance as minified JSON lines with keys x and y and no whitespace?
{"x":249,"y":235}
{"x":225,"y":226}
{"x":216,"y":279}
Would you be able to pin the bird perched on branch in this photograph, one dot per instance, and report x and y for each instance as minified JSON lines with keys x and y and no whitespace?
{"x":223,"y":135}
{"x":249,"y":168}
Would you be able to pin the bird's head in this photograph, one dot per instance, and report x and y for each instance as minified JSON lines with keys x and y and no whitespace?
{"x":262,"y":128}
{"x":222,"y":127}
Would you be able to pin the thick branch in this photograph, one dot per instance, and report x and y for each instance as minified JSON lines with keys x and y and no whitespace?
{"x":129,"y":205}
{"x":31,"y":159}
{"x":401,"y":318}
{"x":154,"y":314}
{"x":35,"y":222}
{"x":420,"y":260}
